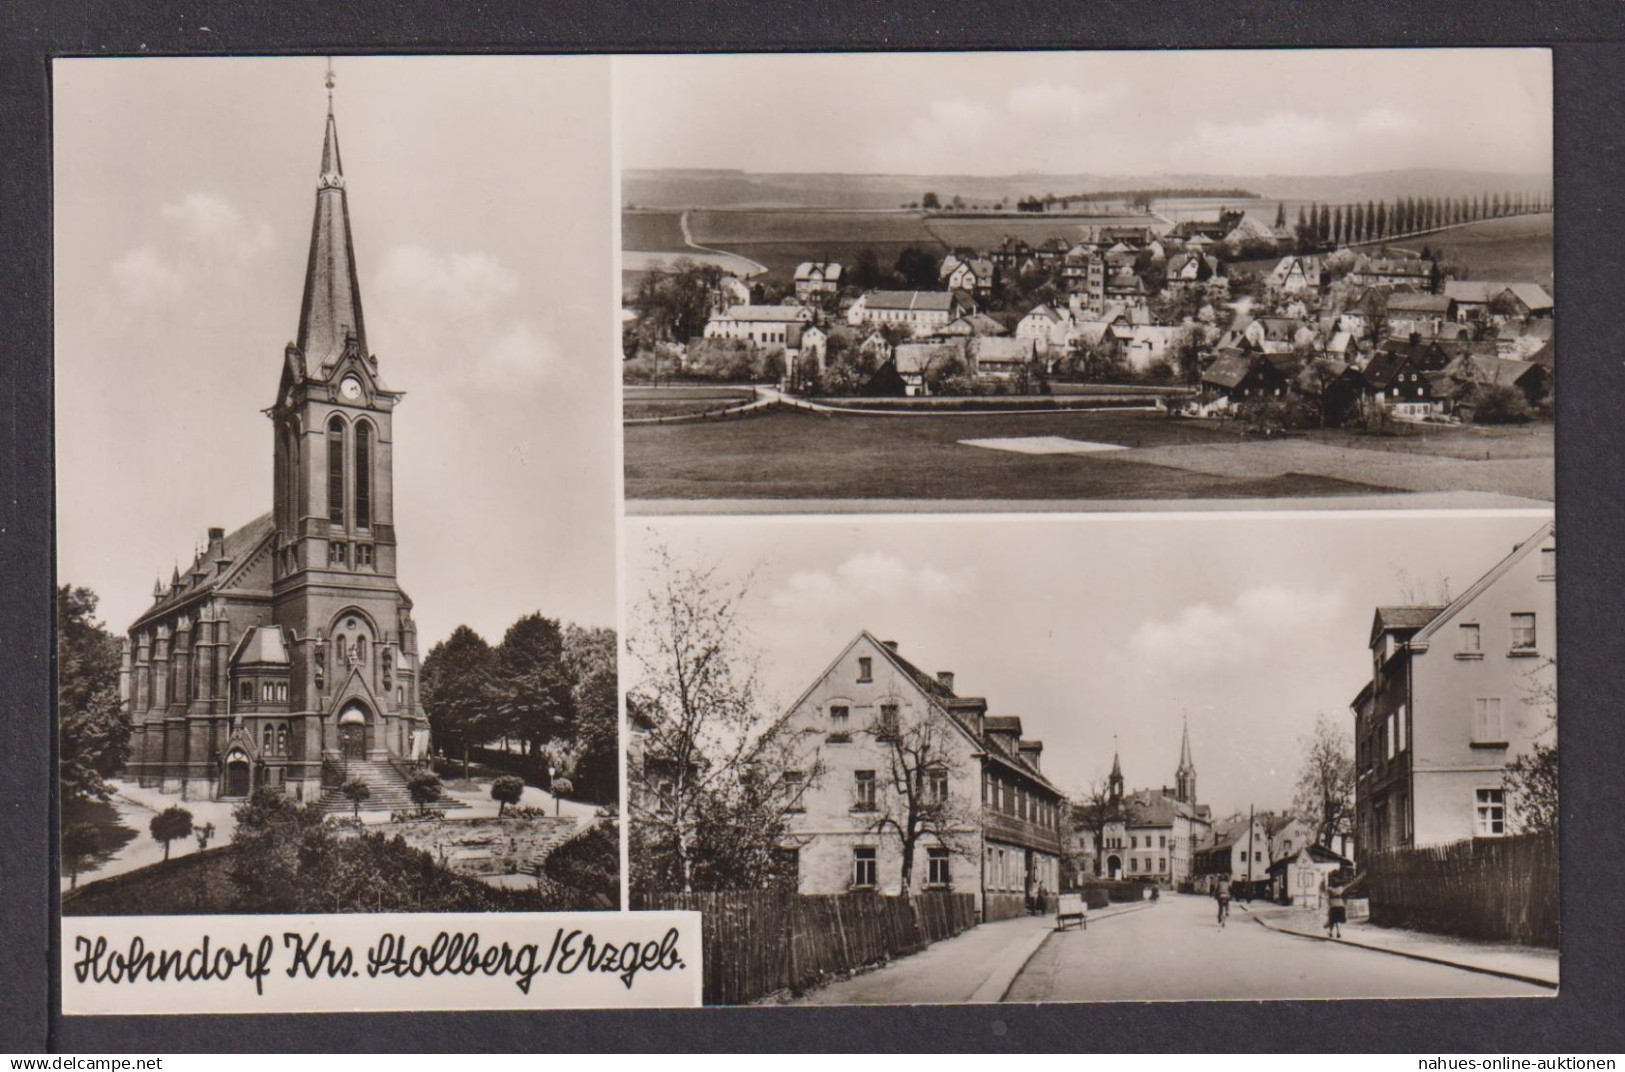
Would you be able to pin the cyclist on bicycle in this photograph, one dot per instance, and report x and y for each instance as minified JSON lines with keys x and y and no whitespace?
{"x":1222,"y":892}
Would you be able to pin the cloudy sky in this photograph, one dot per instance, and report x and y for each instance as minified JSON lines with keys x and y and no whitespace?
{"x":1098,"y":627}
{"x":480,"y":198}
{"x":1259,"y":112}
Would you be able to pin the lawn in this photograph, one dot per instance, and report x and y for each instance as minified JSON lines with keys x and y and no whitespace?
{"x":1514,"y":249}
{"x":802,"y":456}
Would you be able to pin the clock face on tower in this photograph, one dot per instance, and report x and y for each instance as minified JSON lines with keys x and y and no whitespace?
{"x":350,"y":388}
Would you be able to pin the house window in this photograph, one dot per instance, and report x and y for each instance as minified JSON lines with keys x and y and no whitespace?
{"x":864,"y":869}
{"x":1162,"y":841}
{"x":1391,"y":736}
{"x":663,"y":795}
{"x":794,"y":782}
{"x":888,"y":720}
{"x":936,"y":786}
{"x":1134,"y":863}
{"x":838,"y":718}
{"x":936,"y":867}
{"x":863,"y":790}
{"x":1487,"y":725}
{"x":1399,"y":728}
{"x":1134,"y":842}
{"x":865,"y":669}
{"x":335,"y":471}
{"x":1548,"y":563}
{"x":1471,"y":641}
{"x":1162,"y":863}
{"x":1523,"y":632}
{"x":1492,"y":812}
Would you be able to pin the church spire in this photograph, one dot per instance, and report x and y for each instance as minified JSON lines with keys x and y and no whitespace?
{"x":330,"y":314}
{"x":1114,"y":781}
{"x":1185,"y":776}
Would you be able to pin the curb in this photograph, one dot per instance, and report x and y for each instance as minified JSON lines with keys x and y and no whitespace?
{"x":1534,"y":980}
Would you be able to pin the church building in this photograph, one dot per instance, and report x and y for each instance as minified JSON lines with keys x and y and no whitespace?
{"x":285,"y":654}
{"x":1153,"y":834}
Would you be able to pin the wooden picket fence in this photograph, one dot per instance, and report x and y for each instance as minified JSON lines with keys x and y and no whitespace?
{"x":1500,"y":889}
{"x":760,"y":942}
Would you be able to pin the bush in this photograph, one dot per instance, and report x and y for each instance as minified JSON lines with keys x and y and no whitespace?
{"x":1495,"y":404}
{"x":1096,"y":898}
{"x":586,"y":870}
{"x":424,"y":787}
{"x":1114,"y":890}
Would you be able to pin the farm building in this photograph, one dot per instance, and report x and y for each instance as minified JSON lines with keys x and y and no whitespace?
{"x":765,"y":325}
{"x":921,"y":310}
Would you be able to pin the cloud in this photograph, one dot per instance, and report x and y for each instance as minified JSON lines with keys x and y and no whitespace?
{"x":952,"y":134}
{"x":520,"y":357}
{"x":143,"y":276}
{"x":1302,"y":143}
{"x":457,"y":284}
{"x":1054,"y":103}
{"x":1204,"y":637}
{"x":866,"y":578}
{"x":210,"y":221}
{"x":205,"y":244}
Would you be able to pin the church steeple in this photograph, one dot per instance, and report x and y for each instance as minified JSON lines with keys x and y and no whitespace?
{"x":1185,"y":776}
{"x":330,"y":314}
{"x":1114,"y":781}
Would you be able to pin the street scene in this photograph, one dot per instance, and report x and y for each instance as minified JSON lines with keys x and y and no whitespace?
{"x":1066,"y":282}
{"x":905,"y":762}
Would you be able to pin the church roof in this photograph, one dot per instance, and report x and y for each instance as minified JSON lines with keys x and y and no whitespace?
{"x":236,"y":547}
{"x":331,"y":311}
{"x":262,"y":644}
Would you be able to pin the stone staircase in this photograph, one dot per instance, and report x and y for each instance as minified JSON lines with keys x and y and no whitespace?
{"x":389,"y":791}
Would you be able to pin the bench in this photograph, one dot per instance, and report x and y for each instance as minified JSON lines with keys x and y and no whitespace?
{"x":1068,"y":908}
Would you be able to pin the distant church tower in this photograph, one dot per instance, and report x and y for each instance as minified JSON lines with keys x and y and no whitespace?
{"x":1185,"y":776}
{"x":1114,"y":781}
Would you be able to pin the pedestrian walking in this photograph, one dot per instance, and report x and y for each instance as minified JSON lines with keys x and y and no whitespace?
{"x":1221,"y":891}
{"x":1337,"y":912}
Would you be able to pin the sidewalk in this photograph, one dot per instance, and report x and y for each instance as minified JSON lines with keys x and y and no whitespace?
{"x":976,"y":967}
{"x":1531,"y":964}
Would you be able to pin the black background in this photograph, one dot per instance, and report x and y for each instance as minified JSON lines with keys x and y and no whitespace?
{"x":1590,"y":242}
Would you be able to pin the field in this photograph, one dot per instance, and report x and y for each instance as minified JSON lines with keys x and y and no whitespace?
{"x":1515,"y":249}
{"x":797,"y":456}
{"x":675,"y":401}
{"x":984,"y":232}
{"x":653,"y":232}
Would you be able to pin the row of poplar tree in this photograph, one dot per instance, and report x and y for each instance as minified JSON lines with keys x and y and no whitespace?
{"x":1327,"y":226}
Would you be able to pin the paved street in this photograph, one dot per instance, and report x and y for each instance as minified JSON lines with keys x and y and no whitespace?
{"x":1175,"y":951}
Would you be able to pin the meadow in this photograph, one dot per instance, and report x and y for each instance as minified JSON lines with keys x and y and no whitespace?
{"x":1515,"y":248}
{"x":798,"y":456}
{"x":652,"y":231}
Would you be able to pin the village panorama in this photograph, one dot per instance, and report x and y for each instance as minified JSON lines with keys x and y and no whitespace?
{"x":1115,"y":345}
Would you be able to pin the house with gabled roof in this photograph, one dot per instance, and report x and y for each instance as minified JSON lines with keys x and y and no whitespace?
{"x":922,"y":311}
{"x":888,"y":734}
{"x":1457,"y":691}
{"x":816,"y":278}
{"x":1296,"y":275}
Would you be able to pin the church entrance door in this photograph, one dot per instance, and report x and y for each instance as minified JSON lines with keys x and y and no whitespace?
{"x":237,"y":776}
{"x":353,"y":734}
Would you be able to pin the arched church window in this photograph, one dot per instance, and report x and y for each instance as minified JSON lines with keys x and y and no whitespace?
{"x":363,"y":475}
{"x":267,"y":740}
{"x":335,"y":471}
{"x":282,"y":740}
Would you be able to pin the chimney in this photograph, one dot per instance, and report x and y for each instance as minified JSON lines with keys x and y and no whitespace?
{"x":217,"y":535}
{"x":945,"y":678}
{"x":891,"y":645}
